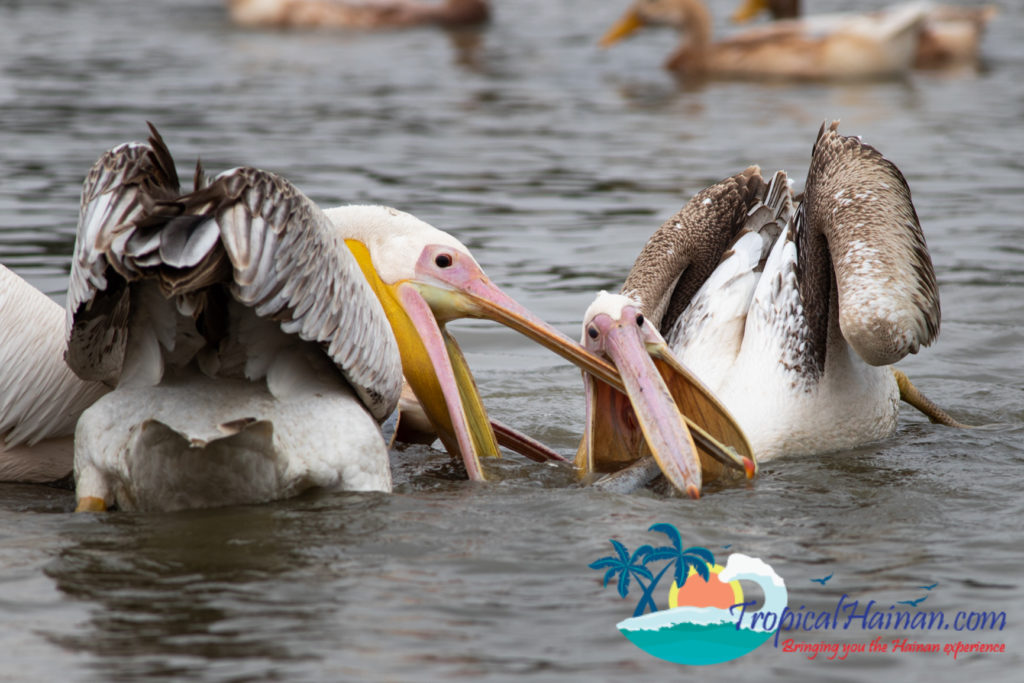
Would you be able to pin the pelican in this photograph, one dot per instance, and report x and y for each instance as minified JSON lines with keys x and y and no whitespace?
{"x":950,"y":36}
{"x":362,"y":14}
{"x":252,"y":341}
{"x":791,"y":315}
{"x":879,"y":45}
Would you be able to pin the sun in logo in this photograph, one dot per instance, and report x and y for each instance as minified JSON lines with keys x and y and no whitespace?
{"x":696,"y":592}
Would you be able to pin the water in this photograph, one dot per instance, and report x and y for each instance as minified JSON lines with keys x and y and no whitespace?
{"x":553,"y":161}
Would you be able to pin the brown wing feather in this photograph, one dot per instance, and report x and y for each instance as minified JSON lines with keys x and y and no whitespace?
{"x":685,"y":250}
{"x":888,"y":297}
{"x":116,"y":192}
{"x":289,"y":263}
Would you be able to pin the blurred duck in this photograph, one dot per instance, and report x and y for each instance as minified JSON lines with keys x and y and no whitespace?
{"x":359,"y":14}
{"x":950,"y":36}
{"x":790,"y":315}
{"x":878,"y":45}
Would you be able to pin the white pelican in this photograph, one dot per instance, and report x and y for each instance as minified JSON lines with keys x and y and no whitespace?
{"x":251,"y":339}
{"x":362,"y":14}
{"x":950,"y":37}
{"x":879,"y":45}
{"x":791,"y":316}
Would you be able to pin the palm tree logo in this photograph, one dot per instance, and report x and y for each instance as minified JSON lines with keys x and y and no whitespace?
{"x":681,"y":561}
{"x":701,"y":624}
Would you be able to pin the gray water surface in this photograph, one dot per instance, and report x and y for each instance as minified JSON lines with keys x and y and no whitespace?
{"x":553,"y":161}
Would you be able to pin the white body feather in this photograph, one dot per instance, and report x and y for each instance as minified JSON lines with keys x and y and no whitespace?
{"x":40,"y":398}
{"x":194,"y":441}
{"x":742,"y":328}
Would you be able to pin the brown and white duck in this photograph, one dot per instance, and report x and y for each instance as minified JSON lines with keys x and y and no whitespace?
{"x":357,"y":14}
{"x":950,"y":37}
{"x":839,"y":47}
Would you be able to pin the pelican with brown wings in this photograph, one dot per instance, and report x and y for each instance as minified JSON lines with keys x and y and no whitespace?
{"x":791,"y":315}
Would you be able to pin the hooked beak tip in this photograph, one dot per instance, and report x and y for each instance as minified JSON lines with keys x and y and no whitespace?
{"x":749,"y":467}
{"x":693,"y":492}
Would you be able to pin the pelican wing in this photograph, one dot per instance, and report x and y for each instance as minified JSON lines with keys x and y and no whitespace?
{"x":888,"y":297}
{"x":249,"y":230}
{"x":708,"y":334}
{"x":114,"y":197}
{"x":290,"y":264}
{"x":685,"y":250}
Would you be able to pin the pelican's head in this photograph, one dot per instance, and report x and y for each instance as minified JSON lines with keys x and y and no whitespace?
{"x":424,"y":278}
{"x":664,"y":400}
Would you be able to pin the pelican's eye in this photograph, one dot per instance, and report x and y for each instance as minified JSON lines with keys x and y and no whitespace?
{"x":443,"y":260}
{"x":592,"y":332}
{"x":640,"y":320}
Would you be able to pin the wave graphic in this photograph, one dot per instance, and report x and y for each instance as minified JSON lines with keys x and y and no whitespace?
{"x":709,"y":635}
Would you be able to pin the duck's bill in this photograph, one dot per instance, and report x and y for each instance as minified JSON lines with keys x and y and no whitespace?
{"x":626,"y":25}
{"x":622,"y":428}
{"x":748,"y":10}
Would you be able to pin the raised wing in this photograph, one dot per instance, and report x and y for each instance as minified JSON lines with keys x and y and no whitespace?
{"x":290,"y":264}
{"x":710,"y":332}
{"x":115,"y":195}
{"x":686,"y":249}
{"x":888,"y":297}
{"x":249,"y":230}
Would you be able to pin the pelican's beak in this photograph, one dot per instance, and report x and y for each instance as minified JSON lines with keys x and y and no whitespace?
{"x":460,"y":289}
{"x":434,"y":367}
{"x":627,"y":24}
{"x":662,"y":425}
{"x":681,"y":423}
{"x":749,"y":10}
{"x":709,"y":421}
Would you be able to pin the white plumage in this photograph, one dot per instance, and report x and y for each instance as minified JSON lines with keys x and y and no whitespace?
{"x":745,"y":335}
{"x":40,"y":398}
